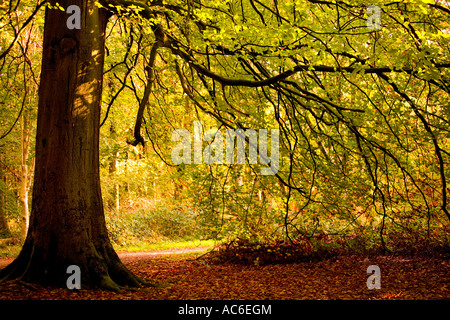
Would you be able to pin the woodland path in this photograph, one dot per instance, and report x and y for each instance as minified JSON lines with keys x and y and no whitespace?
{"x":134,"y":254}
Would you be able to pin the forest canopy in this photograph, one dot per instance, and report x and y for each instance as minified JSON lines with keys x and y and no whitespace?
{"x":362,"y":113}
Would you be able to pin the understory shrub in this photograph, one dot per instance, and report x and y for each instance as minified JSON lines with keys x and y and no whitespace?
{"x":154,"y":225}
{"x":322,"y":246}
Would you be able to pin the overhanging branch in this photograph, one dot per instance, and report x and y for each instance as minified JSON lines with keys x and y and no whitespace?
{"x":148,"y":90}
{"x":171,"y":44}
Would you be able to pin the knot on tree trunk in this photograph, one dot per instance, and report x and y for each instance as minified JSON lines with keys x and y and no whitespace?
{"x":68,"y":45}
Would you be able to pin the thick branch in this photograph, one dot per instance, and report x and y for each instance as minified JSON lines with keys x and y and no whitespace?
{"x":171,"y":43}
{"x":148,"y":90}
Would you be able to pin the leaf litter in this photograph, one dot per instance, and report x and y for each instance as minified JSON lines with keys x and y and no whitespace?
{"x":192,"y":276}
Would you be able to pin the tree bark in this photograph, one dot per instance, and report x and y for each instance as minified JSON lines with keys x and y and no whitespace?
{"x":67,"y":222}
{"x":24,"y":186}
{"x":114,"y":200}
{"x":4,"y":228}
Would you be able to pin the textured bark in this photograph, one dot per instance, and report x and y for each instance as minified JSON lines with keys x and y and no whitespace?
{"x":4,"y":228}
{"x":67,"y":223}
{"x":24,"y":178}
{"x":114,"y":199}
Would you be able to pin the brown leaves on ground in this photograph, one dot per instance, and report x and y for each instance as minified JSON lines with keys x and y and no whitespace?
{"x":187,"y":278}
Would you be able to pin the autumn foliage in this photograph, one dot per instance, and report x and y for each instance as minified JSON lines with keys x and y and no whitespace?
{"x":320,"y":247}
{"x":199,"y":276}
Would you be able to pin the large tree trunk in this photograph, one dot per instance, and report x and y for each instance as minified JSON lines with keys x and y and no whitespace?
{"x":67,"y":223}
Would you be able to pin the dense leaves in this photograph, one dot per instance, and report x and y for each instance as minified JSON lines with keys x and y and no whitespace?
{"x":361,"y":113}
{"x":184,"y":277}
{"x":319,"y":247}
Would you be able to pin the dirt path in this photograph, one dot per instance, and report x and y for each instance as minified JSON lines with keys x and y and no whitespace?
{"x":142,"y":254}
{"x":136,"y":254}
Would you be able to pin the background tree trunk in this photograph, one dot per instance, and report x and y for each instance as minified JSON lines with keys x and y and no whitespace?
{"x":24,"y":186}
{"x":4,"y":228}
{"x":67,"y":223}
{"x":114,"y":202}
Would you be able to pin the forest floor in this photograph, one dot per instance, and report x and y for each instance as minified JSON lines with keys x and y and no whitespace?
{"x":186,"y":274}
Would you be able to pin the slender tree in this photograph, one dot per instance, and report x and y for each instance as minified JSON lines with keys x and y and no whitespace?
{"x":4,"y":228}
